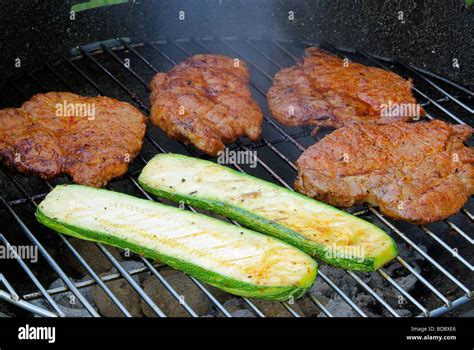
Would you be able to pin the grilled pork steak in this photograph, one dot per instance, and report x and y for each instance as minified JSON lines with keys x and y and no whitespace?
{"x":323,"y":90}
{"x":418,"y":172}
{"x":205,"y":101}
{"x":91,"y":139}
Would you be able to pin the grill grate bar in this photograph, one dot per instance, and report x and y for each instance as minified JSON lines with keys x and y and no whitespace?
{"x":131,"y":281}
{"x":9,"y":287}
{"x":424,"y":281}
{"x":85,"y":283}
{"x":421,"y":93}
{"x":290,"y":309}
{"x":459,"y":231}
{"x":211,"y":297}
{"x":25,"y":200}
{"x":443,"y":79}
{"x":320,"y":306}
{"x":419,"y":250}
{"x":373,"y":293}
{"x":468,"y":214}
{"x":95,"y":277}
{"x":343,"y":295}
{"x":449,"y":249}
{"x":403,"y":291}
{"x":140,"y":56}
{"x":254,"y":307}
{"x":23,"y":304}
{"x":32,"y":277}
{"x":78,"y":256}
{"x":437,"y":87}
{"x":51,"y":261}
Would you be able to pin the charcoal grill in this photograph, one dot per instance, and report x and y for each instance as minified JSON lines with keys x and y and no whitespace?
{"x":121,"y":68}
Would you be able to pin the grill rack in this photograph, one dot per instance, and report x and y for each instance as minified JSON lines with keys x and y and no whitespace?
{"x":263,"y":62}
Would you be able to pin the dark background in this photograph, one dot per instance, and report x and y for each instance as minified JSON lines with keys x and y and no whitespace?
{"x":431,"y":34}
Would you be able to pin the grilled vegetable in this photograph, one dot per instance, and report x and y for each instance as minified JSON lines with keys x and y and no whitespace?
{"x":325,"y":232}
{"x":231,"y":258}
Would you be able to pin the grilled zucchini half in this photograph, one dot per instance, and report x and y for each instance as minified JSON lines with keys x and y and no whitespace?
{"x":325,"y":232}
{"x":229,"y":257}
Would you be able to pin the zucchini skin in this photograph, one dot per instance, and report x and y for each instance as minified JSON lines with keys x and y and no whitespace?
{"x":269,"y":227}
{"x":275,"y":293}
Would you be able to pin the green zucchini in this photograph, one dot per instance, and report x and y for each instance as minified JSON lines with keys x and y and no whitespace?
{"x":325,"y":232}
{"x":229,"y":257}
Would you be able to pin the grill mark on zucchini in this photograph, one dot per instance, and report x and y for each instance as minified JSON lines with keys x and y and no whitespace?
{"x":166,"y":241}
{"x":312,"y":226}
{"x":252,"y":274}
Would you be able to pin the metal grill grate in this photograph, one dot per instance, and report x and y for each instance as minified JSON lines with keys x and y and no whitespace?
{"x":443,"y":250}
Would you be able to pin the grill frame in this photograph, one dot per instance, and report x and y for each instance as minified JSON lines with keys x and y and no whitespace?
{"x":94,"y":55}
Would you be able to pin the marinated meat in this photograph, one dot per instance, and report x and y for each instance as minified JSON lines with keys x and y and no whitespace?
{"x":91,"y":139}
{"x":418,"y":172}
{"x":205,"y":101}
{"x":324,"y":90}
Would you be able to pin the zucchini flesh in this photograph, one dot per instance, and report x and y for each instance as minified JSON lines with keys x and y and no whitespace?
{"x":325,"y":232}
{"x":226,"y":256}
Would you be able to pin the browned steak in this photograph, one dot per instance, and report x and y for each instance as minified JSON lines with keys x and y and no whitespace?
{"x":323,"y":90}
{"x":205,"y":101}
{"x":91,"y":139}
{"x":418,"y":172}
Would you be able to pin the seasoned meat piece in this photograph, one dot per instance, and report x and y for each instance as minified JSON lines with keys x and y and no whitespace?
{"x":91,"y":139}
{"x":205,"y":101}
{"x":418,"y":172}
{"x":323,"y":90}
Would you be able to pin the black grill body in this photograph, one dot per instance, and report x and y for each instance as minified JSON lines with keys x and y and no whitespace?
{"x":430,"y":34}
